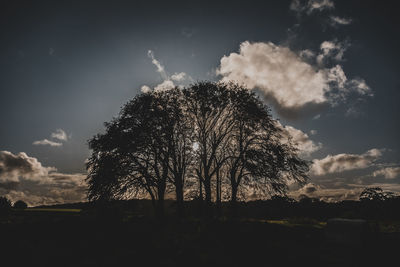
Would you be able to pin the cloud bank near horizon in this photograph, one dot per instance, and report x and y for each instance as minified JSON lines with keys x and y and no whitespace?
{"x":24,"y":178}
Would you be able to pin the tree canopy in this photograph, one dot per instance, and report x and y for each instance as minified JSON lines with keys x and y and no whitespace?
{"x":211,"y":141}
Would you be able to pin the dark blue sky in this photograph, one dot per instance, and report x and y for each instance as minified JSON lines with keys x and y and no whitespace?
{"x":71,"y":65}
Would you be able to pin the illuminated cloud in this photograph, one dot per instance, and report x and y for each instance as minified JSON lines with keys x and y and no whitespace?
{"x":302,"y":141}
{"x":388,"y":173}
{"x":332,"y":50}
{"x":145,"y":89}
{"x":14,"y":167}
{"x":165,"y":85}
{"x":178,"y":76}
{"x":160,"y":68}
{"x":46,"y":142}
{"x":25,"y":178}
{"x":344,"y":162}
{"x":334,"y":21}
{"x":167,"y":82}
{"x":60,"y":135}
{"x":311,"y":5}
{"x":285,"y":78}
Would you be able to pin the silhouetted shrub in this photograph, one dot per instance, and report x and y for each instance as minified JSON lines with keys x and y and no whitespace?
{"x":21,"y":205}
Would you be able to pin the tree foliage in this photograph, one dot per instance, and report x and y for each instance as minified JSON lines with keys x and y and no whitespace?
{"x":192,"y":140}
{"x":20,"y":205}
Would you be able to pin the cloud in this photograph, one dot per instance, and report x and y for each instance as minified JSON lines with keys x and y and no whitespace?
{"x":332,"y":50}
{"x":13,"y":167}
{"x":344,"y":162}
{"x":24,"y":177}
{"x":145,"y":89}
{"x":311,"y":5}
{"x":334,"y":21}
{"x":286,"y":80}
{"x":165,"y":85}
{"x":313,"y":132}
{"x":388,"y":173}
{"x":46,"y":142}
{"x":178,"y":76}
{"x":320,"y":5}
{"x":309,"y":188}
{"x":167,"y":82}
{"x":60,"y":135}
{"x":305,"y":145}
{"x":160,"y":68}
{"x":316,"y":117}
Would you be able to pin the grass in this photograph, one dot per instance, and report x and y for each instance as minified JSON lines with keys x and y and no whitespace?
{"x":299,"y":222}
{"x":52,"y":210}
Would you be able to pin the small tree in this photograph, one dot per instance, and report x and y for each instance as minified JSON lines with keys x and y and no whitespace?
{"x":20,"y":205}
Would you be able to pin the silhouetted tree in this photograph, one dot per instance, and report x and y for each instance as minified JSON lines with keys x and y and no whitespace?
{"x":5,"y":206}
{"x":21,"y":205}
{"x":376,"y":194}
{"x":131,"y":157}
{"x":218,"y":133}
{"x":210,"y":112}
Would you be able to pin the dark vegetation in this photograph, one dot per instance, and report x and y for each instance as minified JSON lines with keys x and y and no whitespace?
{"x":273,"y":232}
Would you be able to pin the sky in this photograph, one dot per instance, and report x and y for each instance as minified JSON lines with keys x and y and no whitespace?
{"x":328,"y":69}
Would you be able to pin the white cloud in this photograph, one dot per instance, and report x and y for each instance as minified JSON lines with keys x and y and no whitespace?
{"x":160,"y":68}
{"x":60,"y":135}
{"x":145,"y":89}
{"x":277,"y":71}
{"x":320,"y":5}
{"x":334,"y":20}
{"x":46,"y":142}
{"x":285,"y":79}
{"x":167,"y":82}
{"x":178,"y":76}
{"x":305,"y":145}
{"x":344,"y":162}
{"x":388,"y":173}
{"x":311,"y":6}
{"x":313,"y":132}
{"x":165,"y":85}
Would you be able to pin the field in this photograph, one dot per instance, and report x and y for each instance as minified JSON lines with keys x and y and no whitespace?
{"x":71,"y":237}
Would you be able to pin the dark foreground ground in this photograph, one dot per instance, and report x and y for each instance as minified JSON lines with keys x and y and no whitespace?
{"x":56,"y":238}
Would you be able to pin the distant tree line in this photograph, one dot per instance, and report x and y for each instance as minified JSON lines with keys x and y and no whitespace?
{"x":209,"y":141}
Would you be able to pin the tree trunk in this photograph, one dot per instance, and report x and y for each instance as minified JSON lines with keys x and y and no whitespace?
{"x":218,"y":194}
{"x":160,"y":201}
{"x":208,"y":204}
{"x":233,"y":203}
{"x":179,"y":199}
